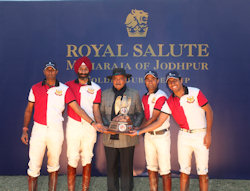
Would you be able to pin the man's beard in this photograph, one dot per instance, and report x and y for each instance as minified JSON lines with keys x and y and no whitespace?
{"x":83,"y":76}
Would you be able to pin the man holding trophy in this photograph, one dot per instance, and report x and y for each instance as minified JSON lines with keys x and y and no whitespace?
{"x":157,"y":139}
{"x":121,"y":110}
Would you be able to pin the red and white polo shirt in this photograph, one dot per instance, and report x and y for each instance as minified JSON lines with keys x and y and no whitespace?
{"x":187,"y":110}
{"x":86,"y":95}
{"x":154,"y":101}
{"x":49,"y":103}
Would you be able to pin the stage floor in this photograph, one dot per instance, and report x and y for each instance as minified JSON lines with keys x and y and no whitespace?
{"x":19,"y":183}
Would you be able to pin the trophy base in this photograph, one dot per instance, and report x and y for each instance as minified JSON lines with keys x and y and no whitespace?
{"x":120,"y":127}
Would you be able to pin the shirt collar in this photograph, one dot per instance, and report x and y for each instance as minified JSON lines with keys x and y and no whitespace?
{"x":121,"y":91}
{"x":44,"y":83}
{"x":88,"y":83}
{"x":185,"y":91}
{"x":153,"y":92}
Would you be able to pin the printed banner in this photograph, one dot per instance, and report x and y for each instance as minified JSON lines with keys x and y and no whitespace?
{"x":206,"y":42}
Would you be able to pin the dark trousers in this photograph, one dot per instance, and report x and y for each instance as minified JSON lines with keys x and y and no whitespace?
{"x":124,"y":157}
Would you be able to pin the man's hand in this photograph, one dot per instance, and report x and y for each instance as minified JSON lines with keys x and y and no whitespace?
{"x":98,"y":126}
{"x":209,"y":117}
{"x":102,"y":129}
{"x":132,"y":133}
{"x":109,"y":132}
{"x":207,"y":140}
{"x":25,"y":137}
{"x":106,"y":131}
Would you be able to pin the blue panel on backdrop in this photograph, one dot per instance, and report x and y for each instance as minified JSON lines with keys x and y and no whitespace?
{"x":207,"y":42}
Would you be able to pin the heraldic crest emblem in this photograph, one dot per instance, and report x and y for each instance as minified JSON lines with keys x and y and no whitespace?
{"x":137,"y":23}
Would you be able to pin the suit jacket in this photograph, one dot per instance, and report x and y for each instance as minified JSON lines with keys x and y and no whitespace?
{"x":135,"y":113}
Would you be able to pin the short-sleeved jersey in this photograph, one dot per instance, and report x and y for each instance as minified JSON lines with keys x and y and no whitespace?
{"x":49,"y":102}
{"x":165,"y":108}
{"x":154,"y":101}
{"x":86,"y":95}
{"x":187,"y":110}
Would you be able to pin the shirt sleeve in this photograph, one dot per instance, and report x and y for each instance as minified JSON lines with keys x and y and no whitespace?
{"x":69,"y":96}
{"x":31,"y":97}
{"x":165,"y":108}
{"x":160,"y":102}
{"x":142,"y":106}
{"x":98,"y":96}
{"x":67,"y":83}
{"x":202,"y":100}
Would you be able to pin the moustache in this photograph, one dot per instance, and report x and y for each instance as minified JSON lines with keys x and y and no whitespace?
{"x":81,"y":74}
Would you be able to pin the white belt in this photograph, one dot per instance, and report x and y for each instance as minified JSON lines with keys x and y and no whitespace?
{"x":193,"y":130}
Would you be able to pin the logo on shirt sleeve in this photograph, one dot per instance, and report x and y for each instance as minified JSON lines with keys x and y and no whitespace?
{"x":190,"y":99}
{"x":91,"y":90}
{"x":58,"y":92}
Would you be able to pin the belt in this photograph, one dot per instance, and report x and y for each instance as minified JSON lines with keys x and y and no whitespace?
{"x":158,"y":132}
{"x":193,"y":130}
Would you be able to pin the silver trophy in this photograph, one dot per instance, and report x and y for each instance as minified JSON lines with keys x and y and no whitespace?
{"x":122,"y":123}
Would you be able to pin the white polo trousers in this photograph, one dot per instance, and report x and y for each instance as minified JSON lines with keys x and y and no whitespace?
{"x":81,"y":138}
{"x":189,"y":143}
{"x":157,"y":150}
{"x":41,"y":137}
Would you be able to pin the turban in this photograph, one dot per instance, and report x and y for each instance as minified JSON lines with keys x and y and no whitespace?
{"x":82,"y":61}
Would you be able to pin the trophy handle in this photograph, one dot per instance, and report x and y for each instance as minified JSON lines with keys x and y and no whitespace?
{"x":118,"y":104}
{"x":129,"y":102}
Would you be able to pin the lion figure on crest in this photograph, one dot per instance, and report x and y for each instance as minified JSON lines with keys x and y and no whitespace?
{"x":136,"y":21}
